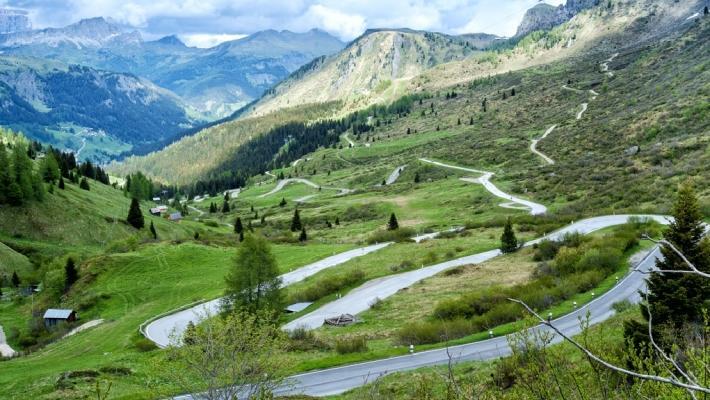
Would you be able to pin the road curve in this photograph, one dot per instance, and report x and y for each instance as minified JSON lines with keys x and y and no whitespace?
{"x":360,"y":299}
{"x":395,"y":175}
{"x":5,"y":349}
{"x":282,"y":183}
{"x":534,"y":142}
{"x":584,"y":108}
{"x":605,"y":64}
{"x":337,"y":380}
{"x":485,"y":180}
{"x":350,"y":142}
{"x":160,"y":330}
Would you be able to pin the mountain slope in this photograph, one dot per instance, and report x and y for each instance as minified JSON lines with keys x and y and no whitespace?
{"x":216,"y":81}
{"x":367,"y":70}
{"x":86,"y":110}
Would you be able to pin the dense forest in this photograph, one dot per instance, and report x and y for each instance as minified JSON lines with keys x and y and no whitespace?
{"x":291,"y":141}
{"x":25,"y":168}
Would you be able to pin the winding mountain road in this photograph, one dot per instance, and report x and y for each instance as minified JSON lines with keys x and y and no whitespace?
{"x":360,"y":299}
{"x":337,"y":380}
{"x":584,"y":108}
{"x":533,"y":145}
{"x":160,"y":330}
{"x":485,"y":180}
{"x":282,"y":183}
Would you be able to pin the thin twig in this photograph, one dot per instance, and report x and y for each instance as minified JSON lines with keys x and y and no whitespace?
{"x":608,"y":365}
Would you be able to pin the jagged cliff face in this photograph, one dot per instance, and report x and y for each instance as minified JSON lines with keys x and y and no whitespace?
{"x":544,"y":16}
{"x":13,"y":21}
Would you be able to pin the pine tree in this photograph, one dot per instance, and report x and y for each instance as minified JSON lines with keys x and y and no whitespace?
{"x":676,"y":299}
{"x":296,"y":221}
{"x":71,"y":275}
{"x":508,"y":241}
{"x":253,"y":282}
{"x":84,"y":184}
{"x":152,"y":231}
{"x":392,"y":224}
{"x":61,"y":182}
{"x":470,"y":122}
{"x":225,"y":207}
{"x":241,"y":236}
{"x":238,"y":227}
{"x":283,"y":202}
{"x":22,"y":166}
{"x":135,"y":215}
{"x":196,"y":235}
{"x":416,"y":177}
{"x":5,"y":174}
{"x":512,"y":92}
{"x":458,"y":122}
{"x":49,"y":168}
{"x":303,"y":236}
{"x":15,"y":280}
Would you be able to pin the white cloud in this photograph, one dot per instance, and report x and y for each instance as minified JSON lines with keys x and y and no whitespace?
{"x":345,"y":25}
{"x":344,"y":18}
{"x":499,"y":17}
{"x":207,"y":40}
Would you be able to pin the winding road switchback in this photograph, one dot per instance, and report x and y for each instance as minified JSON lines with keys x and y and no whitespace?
{"x":361,"y":298}
{"x":337,"y":380}
{"x":485,"y":180}
{"x":533,"y":145}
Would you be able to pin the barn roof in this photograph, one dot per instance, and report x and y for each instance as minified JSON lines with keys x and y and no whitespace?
{"x":56,"y":313}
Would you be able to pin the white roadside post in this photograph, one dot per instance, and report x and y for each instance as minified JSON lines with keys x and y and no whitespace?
{"x":411,"y":349}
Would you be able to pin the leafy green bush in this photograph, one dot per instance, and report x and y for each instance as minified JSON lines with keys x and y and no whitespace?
{"x":425,"y":332}
{"x":396,"y":235}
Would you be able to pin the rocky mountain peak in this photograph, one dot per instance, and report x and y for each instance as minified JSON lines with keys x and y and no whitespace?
{"x":544,"y":16}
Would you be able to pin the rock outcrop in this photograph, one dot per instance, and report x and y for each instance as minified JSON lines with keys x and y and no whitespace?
{"x":13,"y":21}
{"x":544,"y":16}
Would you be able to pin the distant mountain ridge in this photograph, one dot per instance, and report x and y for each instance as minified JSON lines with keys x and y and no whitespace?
{"x":216,"y":81}
{"x":99,"y":114}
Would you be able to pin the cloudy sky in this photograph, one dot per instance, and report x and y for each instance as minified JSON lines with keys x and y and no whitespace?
{"x":207,"y":22}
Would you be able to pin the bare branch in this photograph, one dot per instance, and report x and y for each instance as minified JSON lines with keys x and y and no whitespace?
{"x":693,"y":269}
{"x":655,"y":378}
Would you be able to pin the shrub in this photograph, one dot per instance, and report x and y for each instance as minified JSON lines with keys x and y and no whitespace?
{"x":143,"y":344}
{"x":426,"y":332}
{"x":397,"y":235}
{"x":302,"y":339}
{"x":546,"y":250}
{"x":354,"y":344}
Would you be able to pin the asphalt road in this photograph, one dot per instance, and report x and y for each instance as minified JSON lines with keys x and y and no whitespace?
{"x":361,"y":298}
{"x":533,"y":145}
{"x":394,"y":175}
{"x":282,"y":183}
{"x":160,"y":331}
{"x":485,"y":180}
{"x":5,"y":349}
{"x":340,"y":379}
